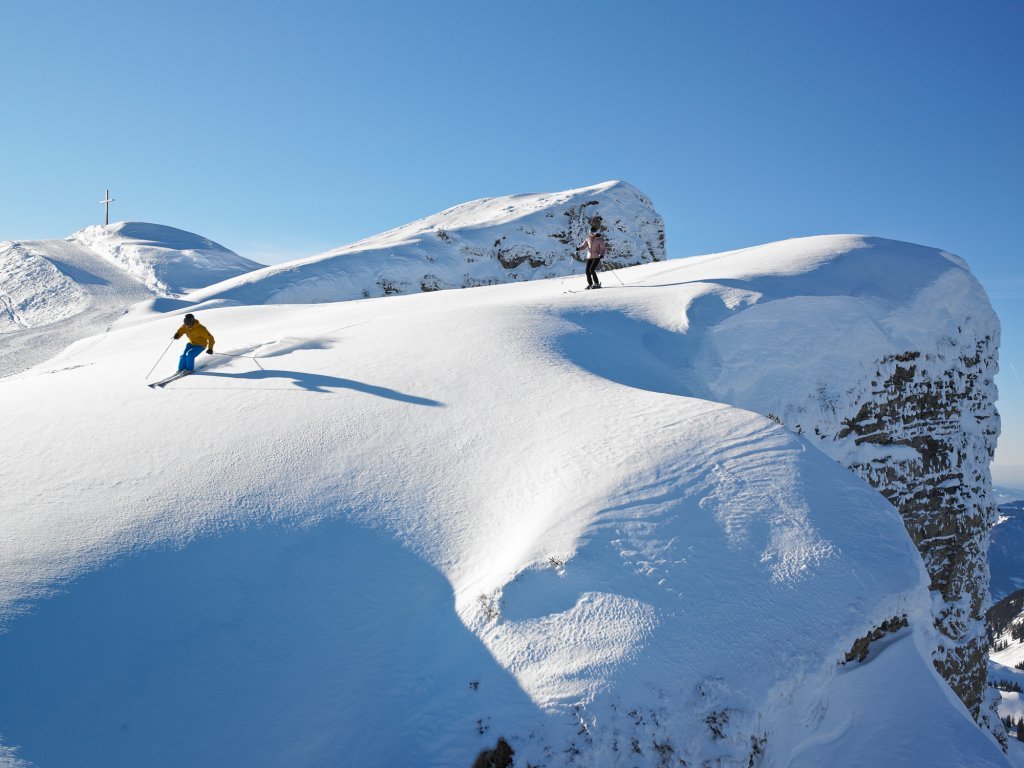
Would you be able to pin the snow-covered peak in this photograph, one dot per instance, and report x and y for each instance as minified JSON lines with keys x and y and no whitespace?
{"x":167,"y":260}
{"x":483,"y":242}
{"x":496,"y":211}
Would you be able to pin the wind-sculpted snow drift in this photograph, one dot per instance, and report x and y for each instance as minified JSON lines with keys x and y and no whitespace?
{"x":900,"y":390}
{"x":415,"y":529}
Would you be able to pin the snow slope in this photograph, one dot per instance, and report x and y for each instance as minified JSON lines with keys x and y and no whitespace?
{"x":483,"y":242}
{"x":55,"y":292}
{"x":391,"y":532}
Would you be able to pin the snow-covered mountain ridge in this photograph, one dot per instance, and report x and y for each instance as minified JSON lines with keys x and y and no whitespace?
{"x":72,"y":288}
{"x":55,"y":292}
{"x":483,"y":242}
{"x":399,"y":530}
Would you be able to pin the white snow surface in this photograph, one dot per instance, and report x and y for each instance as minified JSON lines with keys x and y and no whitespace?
{"x":390,"y":532}
{"x":167,"y":260}
{"x":55,"y":292}
{"x":483,"y":242}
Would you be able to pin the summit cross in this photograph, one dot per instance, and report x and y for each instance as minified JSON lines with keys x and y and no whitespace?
{"x":107,"y":200}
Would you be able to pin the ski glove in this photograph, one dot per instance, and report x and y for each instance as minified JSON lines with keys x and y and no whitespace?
{"x":209,"y":351}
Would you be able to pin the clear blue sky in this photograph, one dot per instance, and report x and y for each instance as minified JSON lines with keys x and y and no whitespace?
{"x":282,"y":129}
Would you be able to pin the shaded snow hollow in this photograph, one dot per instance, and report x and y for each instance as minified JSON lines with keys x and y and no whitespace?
{"x":395,"y":531}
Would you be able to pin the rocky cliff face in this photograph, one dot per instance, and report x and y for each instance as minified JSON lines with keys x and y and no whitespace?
{"x":898,"y":387}
{"x":939,"y":408}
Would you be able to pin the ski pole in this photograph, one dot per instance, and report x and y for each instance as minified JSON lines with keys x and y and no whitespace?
{"x":617,"y":277}
{"x":159,"y":359}
{"x":247,"y":357}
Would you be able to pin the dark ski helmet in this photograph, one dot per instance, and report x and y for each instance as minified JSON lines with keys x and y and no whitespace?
{"x":190,"y":318}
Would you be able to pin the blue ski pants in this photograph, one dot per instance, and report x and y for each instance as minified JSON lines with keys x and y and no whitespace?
{"x":188,"y":357}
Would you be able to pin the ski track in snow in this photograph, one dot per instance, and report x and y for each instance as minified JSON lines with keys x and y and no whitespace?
{"x":471,"y":514}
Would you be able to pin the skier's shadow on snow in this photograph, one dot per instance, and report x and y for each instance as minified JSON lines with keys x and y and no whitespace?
{"x":315,"y":382}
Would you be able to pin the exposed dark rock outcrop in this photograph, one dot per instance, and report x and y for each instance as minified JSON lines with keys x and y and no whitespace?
{"x":499,"y":757}
{"x":862,"y":646}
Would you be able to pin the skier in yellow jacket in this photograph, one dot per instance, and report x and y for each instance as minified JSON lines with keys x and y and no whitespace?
{"x":198,"y":339}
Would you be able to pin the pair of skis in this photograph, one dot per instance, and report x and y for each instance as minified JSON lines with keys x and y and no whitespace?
{"x":164,"y":382}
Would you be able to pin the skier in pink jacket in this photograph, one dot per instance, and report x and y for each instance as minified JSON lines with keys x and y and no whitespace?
{"x":595,"y":246}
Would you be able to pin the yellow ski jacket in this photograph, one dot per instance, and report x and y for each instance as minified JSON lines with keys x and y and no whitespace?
{"x":197,"y":335}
